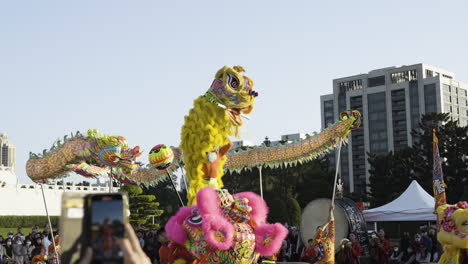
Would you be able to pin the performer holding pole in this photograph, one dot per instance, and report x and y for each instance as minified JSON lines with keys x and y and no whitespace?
{"x":324,"y":242}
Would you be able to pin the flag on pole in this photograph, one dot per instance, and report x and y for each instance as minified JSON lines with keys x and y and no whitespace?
{"x":437,"y":174}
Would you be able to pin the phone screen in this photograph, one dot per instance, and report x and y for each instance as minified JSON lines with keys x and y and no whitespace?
{"x":106,"y":226}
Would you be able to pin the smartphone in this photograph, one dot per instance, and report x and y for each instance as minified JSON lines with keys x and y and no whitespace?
{"x":103,"y":226}
{"x":71,"y":223}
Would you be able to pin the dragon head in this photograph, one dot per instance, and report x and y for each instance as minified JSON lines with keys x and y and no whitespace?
{"x":233,"y":91}
{"x":453,"y":222}
{"x":113,"y":151}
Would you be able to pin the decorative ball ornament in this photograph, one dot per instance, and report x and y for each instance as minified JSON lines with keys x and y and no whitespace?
{"x":161,"y":157}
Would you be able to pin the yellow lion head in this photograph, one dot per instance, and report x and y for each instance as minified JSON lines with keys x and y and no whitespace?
{"x":453,"y":224}
{"x":233,"y":90}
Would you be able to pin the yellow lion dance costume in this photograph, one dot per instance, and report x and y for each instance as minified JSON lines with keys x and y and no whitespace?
{"x":214,"y":116}
{"x":453,"y":231}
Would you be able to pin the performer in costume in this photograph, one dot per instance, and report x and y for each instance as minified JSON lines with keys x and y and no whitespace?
{"x":324,"y":241}
{"x":214,"y":116}
{"x":452,"y":220}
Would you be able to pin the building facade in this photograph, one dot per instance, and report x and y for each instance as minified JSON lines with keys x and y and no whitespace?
{"x":391,"y":101}
{"x":7,"y":153}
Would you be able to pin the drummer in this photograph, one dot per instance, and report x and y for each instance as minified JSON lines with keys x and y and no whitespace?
{"x":324,"y":241}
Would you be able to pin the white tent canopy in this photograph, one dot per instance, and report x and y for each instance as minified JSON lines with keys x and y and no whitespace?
{"x":414,"y":204}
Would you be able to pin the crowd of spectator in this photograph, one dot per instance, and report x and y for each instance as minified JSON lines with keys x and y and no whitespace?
{"x":19,"y":248}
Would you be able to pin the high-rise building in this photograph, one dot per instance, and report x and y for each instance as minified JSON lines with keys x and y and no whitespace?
{"x":391,"y":101}
{"x":7,"y":152}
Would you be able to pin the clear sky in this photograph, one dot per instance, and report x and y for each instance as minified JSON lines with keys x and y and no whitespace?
{"x":133,"y":68}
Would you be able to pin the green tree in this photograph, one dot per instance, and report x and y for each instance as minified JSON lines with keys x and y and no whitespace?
{"x":143,"y":208}
{"x":453,"y":147}
{"x":391,"y":173}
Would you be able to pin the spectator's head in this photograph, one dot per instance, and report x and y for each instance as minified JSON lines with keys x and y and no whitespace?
{"x":18,"y":240}
{"x":20,"y":230}
{"x":423,"y":248}
{"x":310,"y":242}
{"x":381,"y":233}
{"x":39,"y":241}
{"x":9,"y":242}
{"x":432,"y":231}
{"x":375,"y":242}
{"x":28,"y":242}
{"x":162,"y":236}
{"x":352,"y":236}
{"x":345,"y":244}
{"x":417,"y":238}
{"x":139,"y":233}
{"x":374,"y":235}
{"x":10,"y":234}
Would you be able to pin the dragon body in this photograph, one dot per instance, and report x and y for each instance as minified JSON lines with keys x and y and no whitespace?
{"x":89,"y":156}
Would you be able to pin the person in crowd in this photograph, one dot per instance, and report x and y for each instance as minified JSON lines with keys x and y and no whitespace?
{"x":407,"y":253}
{"x":164,"y":251}
{"x":29,"y":248}
{"x":356,"y":246}
{"x":433,"y":236}
{"x":1,"y":248}
{"x":295,"y":244}
{"x":150,"y":246}
{"x":423,"y":255}
{"x":8,"y":250}
{"x":139,"y":235}
{"x":394,"y":257}
{"x":417,"y":243}
{"x":377,"y":252}
{"x":39,"y":248}
{"x":346,"y":255}
{"x":384,"y":241}
{"x":19,"y":234}
{"x":308,"y":254}
{"x":54,"y":252}
{"x":324,"y":241}
{"x":47,"y":241}
{"x":427,"y":241}
{"x":18,"y":251}
{"x":39,"y":259}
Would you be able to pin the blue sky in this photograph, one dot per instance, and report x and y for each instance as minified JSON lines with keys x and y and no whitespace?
{"x":133,"y":68}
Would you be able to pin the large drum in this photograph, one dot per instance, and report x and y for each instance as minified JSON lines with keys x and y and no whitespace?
{"x":348,"y":218}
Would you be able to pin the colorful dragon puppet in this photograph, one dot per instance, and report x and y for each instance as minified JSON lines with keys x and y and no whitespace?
{"x":217,"y":115}
{"x":89,"y":156}
{"x":452,"y":220}
{"x":225,"y":228}
{"x":214,"y":116}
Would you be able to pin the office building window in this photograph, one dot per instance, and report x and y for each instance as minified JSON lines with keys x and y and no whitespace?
{"x":447,"y":76}
{"x":350,"y":85}
{"x":377,"y":121}
{"x":446,"y":88}
{"x":447,"y":98}
{"x":376,"y":81}
{"x":463,"y":92}
{"x":429,"y":73}
{"x":404,"y":76}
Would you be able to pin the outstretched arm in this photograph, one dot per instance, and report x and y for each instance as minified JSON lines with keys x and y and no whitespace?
{"x":331,"y":221}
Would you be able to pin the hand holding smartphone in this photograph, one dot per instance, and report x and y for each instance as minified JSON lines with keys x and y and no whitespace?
{"x":103,"y":226}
